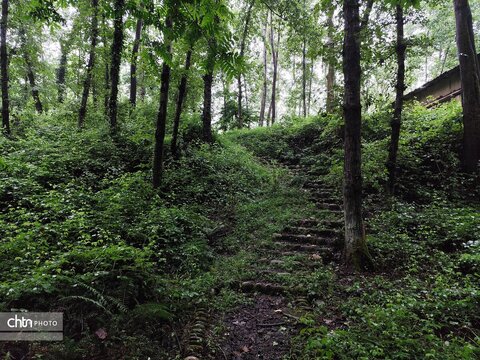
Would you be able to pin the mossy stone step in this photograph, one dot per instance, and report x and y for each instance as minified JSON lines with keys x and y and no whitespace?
{"x":301,"y":230}
{"x":329,"y":206}
{"x":303,"y":239}
{"x":304,"y":248}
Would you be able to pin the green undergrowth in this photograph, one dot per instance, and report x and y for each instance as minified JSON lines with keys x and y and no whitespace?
{"x":83,"y":232}
{"x":423,"y":300}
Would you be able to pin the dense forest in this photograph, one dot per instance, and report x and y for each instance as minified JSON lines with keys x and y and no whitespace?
{"x":240,"y":179}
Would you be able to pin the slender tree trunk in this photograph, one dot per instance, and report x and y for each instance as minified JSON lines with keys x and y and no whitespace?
{"x":62,"y":72}
{"x":133,"y":65}
{"x":242,"y":52}
{"x":397,"y":114}
{"x":356,"y":254}
{"x":366,"y":14}
{"x":275,"y":69}
{"x":470,"y":79}
{"x":304,"y":77}
{"x":107,"y":67}
{"x":310,"y":83}
{"x":182,"y":89}
{"x":117,"y":46}
{"x":90,"y":65}
{"x":161,"y":119}
{"x":94,"y":92}
{"x":246,"y":95}
{"x":30,"y":73}
{"x":4,"y":68}
{"x":331,"y":65}
{"x":269,"y":114}
{"x":207,"y":107}
{"x":263,"y":100}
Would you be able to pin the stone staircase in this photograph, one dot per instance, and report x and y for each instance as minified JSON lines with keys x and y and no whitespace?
{"x":310,"y":242}
{"x":263,"y":328}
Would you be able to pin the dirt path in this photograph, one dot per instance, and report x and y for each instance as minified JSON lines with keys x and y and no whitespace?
{"x":264,"y":328}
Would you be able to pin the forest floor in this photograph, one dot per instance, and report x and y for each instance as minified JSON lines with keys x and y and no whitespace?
{"x":276,"y":306}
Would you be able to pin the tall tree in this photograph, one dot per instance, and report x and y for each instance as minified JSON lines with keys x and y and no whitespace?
{"x":116,"y":58}
{"x":400,"y":88}
{"x":470,"y":79}
{"x":133,"y":64}
{"x":207,"y":93}
{"x":304,"y":61}
{"x":91,"y":62}
{"x":242,"y":52}
{"x":275,"y":52}
{"x":62,"y":72}
{"x":106,"y":56}
{"x":182,"y":89}
{"x":331,"y":62}
{"x":356,"y":254}
{"x":162,"y":116}
{"x":30,"y":71}
{"x":4,"y":68}
{"x":263,"y":100}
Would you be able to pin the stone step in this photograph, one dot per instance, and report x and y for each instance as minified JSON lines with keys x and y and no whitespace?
{"x":317,"y":185}
{"x":278,"y":272}
{"x":327,"y":200}
{"x":313,"y":231}
{"x":305,"y":258}
{"x":329,"y":206}
{"x":304,"y":248}
{"x":295,"y":238}
{"x":309,"y":222}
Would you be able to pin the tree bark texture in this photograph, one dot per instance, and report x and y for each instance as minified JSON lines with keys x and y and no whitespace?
{"x":91,"y":62}
{"x":470,"y":79}
{"x":116,"y":55}
{"x":242,"y":52}
{"x":133,"y":64}
{"x":397,"y":113}
{"x":182,"y":89}
{"x":4,"y":68}
{"x":30,"y":73}
{"x":161,"y":120}
{"x":355,"y":254}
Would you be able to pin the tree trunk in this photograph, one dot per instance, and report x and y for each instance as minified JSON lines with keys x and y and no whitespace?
{"x":397,"y":113}
{"x":242,"y":52}
{"x":263,"y":100}
{"x":366,"y":14}
{"x":90,"y":64}
{"x":4,"y":68}
{"x":304,"y":77}
{"x":356,"y":254}
{"x":310,"y":83}
{"x":246,"y":95}
{"x":182,"y":89}
{"x":470,"y":79}
{"x":330,"y":105}
{"x":117,"y":46}
{"x":133,"y":65}
{"x":30,"y":73}
{"x":62,"y":72}
{"x":107,"y":68}
{"x":275,"y":69}
{"x":161,"y":119}
{"x":207,"y":107}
